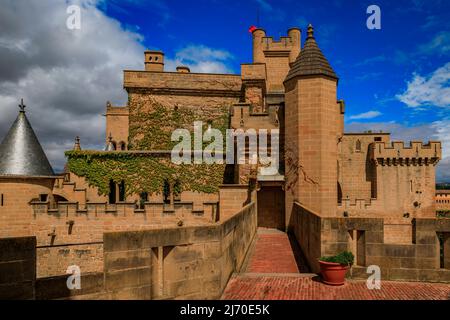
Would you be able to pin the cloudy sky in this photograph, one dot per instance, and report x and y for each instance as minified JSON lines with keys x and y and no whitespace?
{"x":396,"y":79}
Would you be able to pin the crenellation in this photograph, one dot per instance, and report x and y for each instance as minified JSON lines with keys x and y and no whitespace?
{"x":92,"y":210}
{"x":396,"y":153}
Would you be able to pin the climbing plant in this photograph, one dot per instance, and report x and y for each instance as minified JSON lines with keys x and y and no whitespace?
{"x":152,"y":123}
{"x":151,"y":127}
{"x":143,"y":172}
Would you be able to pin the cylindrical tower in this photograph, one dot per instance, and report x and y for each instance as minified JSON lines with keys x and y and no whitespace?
{"x":295,"y":34}
{"x":258,"y":54}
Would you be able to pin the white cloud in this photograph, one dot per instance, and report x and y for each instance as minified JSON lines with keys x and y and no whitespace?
{"x":202,"y":59}
{"x":65,"y":76}
{"x":433,"y":90}
{"x":366,"y":115}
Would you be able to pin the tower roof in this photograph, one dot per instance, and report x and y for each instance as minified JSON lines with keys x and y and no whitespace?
{"x":311,"y":60}
{"x":21,"y":153}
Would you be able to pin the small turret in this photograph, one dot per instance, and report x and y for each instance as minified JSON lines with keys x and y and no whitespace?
{"x":258,"y":54}
{"x":110,"y":146}
{"x":295,"y":35}
{"x":77,"y":146}
{"x":21,"y":154}
{"x":154,"y":61}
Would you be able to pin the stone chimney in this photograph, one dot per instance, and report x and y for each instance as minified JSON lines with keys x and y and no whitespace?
{"x":154,"y":61}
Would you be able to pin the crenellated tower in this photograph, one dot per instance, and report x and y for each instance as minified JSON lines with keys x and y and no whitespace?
{"x":276,"y":55}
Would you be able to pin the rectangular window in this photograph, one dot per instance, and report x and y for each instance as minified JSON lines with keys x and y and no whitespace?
{"x":377,"y":139}
{"x":2,"y":200}
{"x":43,"y":197}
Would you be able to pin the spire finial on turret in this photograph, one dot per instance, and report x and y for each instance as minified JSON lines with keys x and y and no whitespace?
{"x":77,"y":146}
{"x":310,"y":31}
{"x":22,"y":106}
{"x":110,"y":145}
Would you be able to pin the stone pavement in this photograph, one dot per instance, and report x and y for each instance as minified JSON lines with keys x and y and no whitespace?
{"x":272,"y":273}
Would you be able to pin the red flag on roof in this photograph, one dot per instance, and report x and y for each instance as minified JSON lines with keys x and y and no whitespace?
{"x":252,"y":28}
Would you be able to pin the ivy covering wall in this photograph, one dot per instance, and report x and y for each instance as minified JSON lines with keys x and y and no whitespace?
{"x":143,"y":172}
{"x":152,"y":123}
{"x":151,"y":127}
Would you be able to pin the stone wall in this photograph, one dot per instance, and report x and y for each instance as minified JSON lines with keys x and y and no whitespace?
{"x":357,"y":176}
{"x":418,"y":260}
{"x":117,"y":125}
{"x":54,"y":260}
{"x":16,"y":213}
{"x":232,"y":198}
{"x":442,"y":200}
{"x":182,"y":263}
{"x":56,"y":287}
{"x":17,"y":268}
{"x":68,"y":235}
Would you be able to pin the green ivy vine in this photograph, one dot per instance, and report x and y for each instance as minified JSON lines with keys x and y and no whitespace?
{"x":143,"y":172}
{"x":151,"y":128}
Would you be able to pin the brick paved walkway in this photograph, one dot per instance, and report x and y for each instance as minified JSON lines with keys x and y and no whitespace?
{"x":272,"y":273}
{"x":308,"y":287}
{"x":272,"y":253}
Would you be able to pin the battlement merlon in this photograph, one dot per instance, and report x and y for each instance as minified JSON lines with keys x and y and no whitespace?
{"x":396,"y":152}
{"x":73,"y":210}
{"x":264,"y":46}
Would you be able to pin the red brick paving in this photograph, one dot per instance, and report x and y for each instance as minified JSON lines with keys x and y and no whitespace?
{"x":254,"y":287}
{"x":272,"y":253}
{"x":273,"y":274}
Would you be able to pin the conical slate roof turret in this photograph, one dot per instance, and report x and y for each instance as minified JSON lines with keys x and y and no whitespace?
{"x":21,"y":153}
{"x":311,"y":61}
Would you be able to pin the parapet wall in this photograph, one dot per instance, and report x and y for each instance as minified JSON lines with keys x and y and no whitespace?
{"x":71,"y":235}
{"x":157,"y":213}
{"x":223,"y":85}
{"x":418,"y":260}
{"x":183,"y":263}
{"x":17,"y":268}
{"x":396,"y":153}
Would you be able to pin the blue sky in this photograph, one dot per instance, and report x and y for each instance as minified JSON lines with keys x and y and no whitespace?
{"x":396,"y":79}
{"x":374,"y":66}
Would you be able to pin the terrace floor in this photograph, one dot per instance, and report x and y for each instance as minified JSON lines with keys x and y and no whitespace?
{"x":276,"y":270}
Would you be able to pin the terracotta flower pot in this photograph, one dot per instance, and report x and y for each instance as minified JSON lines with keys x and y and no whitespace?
{"x":333,"y":273}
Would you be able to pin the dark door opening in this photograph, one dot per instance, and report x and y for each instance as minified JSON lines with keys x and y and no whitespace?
{"x":271,"y":208}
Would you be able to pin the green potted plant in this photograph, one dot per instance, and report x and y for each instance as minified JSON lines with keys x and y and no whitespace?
{"x":334,"y":268}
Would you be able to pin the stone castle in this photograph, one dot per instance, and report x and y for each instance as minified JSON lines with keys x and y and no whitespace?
{"x":139,"y":226}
